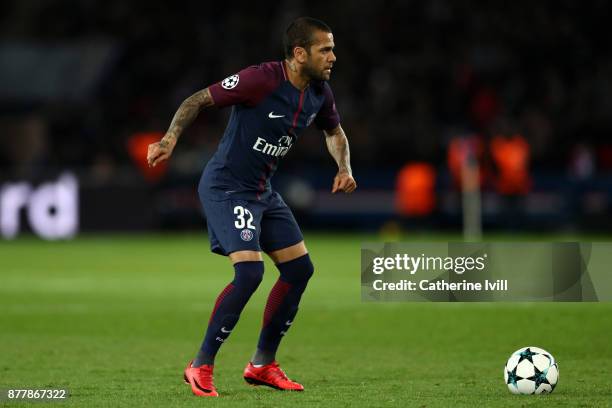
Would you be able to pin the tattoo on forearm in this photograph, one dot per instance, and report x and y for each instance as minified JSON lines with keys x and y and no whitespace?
{"x":186,"y":113}
{"x":338,"y":147}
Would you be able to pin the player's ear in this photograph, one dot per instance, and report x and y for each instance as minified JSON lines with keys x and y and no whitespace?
{"x":300,"y":55}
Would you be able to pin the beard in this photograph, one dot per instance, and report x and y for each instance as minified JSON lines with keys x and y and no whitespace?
{"x":315,"y":74}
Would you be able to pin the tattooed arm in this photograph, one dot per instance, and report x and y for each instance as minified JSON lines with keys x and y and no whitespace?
{"x":183,"y":117}
{"x":338,"y":147}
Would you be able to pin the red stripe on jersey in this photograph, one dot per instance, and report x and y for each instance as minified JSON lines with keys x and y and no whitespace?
{"x":299,"y":109}
{"x":263,"y":178}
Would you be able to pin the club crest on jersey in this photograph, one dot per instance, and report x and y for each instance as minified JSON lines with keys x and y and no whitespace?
{"x":246,"y":235}
{"x":310,"y":119}
{"x":230,"y":82}
{"x":278,"y":150}
{"x":285,"y":141}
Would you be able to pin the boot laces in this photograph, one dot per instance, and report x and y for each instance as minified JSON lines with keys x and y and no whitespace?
{"x":276,"y":373}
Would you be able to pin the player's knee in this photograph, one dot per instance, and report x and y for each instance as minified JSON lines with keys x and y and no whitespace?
{"x":299,"y":270}
{"x":308,"y":269}
{"x":248,"y":274}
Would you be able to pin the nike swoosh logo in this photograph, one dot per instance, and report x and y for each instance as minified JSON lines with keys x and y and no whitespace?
{"x":271,"y":115}
{"x":224,"y":330}
{"x":199,"y":387}
{"x":289,"y":322}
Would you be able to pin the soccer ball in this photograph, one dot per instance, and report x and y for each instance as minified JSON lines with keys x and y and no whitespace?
{"x":531,"y":370}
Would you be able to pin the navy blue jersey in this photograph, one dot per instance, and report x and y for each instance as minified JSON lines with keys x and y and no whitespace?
{"x":267,"y":117}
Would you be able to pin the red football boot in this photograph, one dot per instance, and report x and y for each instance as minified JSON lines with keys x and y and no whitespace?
{"x":270,"y":375}
{"x":201,"y":380}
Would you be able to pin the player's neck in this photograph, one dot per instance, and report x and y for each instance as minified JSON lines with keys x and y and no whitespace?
{"x":294,"y":75}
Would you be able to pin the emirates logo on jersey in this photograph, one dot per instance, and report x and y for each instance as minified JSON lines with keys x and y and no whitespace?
{"x":278,"y":150}
{"x":230,"y":82}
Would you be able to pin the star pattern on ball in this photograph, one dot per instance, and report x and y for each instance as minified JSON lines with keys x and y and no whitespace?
{"x":527,"y":355}
{"x":539,"y":377}
{"x":513,"y":377}
{"x":549,"y":357}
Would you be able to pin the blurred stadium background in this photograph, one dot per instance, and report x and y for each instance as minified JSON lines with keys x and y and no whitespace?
{"x":461,"y":116}
{"x":421,"y":86}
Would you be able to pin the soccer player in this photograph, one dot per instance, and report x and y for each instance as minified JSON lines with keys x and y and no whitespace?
{"x":272,"y":105}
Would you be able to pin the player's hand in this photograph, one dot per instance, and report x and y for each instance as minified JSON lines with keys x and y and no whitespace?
{"x":160,"y":151}
{"x":344,"y":181}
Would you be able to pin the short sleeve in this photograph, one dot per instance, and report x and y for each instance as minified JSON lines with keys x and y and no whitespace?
{"x":247,"y":87}
{"x":328,"y":117}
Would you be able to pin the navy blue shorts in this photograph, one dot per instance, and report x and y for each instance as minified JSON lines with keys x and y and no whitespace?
{"x":250,"y":225}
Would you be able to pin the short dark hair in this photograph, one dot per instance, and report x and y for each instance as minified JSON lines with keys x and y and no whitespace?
{"x":300,"y":34}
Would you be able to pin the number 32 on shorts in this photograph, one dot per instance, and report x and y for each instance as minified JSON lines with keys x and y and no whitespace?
{"x":244,"y":218}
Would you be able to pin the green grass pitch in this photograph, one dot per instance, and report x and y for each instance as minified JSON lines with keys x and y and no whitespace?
{"x":115,"y":319}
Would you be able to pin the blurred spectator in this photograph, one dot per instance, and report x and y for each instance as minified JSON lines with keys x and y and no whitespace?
{"x":582,"y":162}
{"x":415,"y":189}
{"x":511,"y":158}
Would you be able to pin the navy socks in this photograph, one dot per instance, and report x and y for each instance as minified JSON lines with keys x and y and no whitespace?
{"x":282,"y":306}
{"x":229,"y":305}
